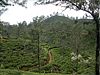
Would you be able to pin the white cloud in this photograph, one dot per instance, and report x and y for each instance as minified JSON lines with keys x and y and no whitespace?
{"x":18,"y":13}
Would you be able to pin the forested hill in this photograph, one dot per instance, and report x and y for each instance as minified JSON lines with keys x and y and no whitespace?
{"x":59,"y":18}
{"x":64,"y":19}
{"x":53,"y":23}
{"x":59,"y":23}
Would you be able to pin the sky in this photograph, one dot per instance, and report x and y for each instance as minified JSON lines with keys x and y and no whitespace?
{"x":16,"y":13}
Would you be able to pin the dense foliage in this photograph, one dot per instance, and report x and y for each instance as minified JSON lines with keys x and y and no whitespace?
{"x":61,"y":35}
{"x":14,"y":56}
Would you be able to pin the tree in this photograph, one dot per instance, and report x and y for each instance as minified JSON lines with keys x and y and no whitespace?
{"x":4,"y":3}
{"x":60,"y":38}
{"x":22,"y":30}
{"x":1,"y":27}
{"x":89,"y":6}
{"x":3,"y":10}
{"x":19,"y":30}
{"x":76,"y":40}
{"x":36,"y":32}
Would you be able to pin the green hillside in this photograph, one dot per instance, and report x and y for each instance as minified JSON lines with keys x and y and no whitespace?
{"x":14,"y":56}
{"x":59,"y":18}
{"x":58,"y":44}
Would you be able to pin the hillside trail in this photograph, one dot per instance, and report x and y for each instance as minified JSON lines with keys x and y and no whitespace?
{"x":50,"y":56}
{"x":44,"y":63}
{"x":49,"y":59}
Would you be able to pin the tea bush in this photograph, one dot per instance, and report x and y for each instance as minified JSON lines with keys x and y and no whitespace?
{"x":12,"y":54}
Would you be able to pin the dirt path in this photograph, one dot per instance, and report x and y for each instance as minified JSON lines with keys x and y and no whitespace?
{"x":44,"y":63}
{"x":50,"y":56}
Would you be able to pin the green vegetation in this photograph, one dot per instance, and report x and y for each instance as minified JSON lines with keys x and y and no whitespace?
{"x":62,"y":63}
{"x":70,"y":42}
{"x":13,"y":55}
{"x":16,"y":72}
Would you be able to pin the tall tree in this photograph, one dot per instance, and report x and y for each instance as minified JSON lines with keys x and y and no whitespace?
{"x":22,"y":30}
{"x":89,"y":6}
{"x":36,"y":32}
{"x":4,"y":3}
{"x":19,"y":30}
{"x":1,"y":27}
{"x":76,"y":38}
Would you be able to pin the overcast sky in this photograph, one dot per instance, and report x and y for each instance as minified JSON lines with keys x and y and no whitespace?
{"x":18,"y":13}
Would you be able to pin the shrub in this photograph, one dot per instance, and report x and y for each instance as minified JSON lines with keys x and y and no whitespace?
{"x":2,"y":66}
{"x":1,"y":59}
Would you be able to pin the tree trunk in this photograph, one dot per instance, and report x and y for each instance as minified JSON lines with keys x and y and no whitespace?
{"x":38,"y":54}
{"x":77,"y":61}
{"x":97,"y":47}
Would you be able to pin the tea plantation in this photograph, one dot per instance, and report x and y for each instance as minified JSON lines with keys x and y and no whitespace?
{"x":14,"y":56}
{"x":16,"y":72}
